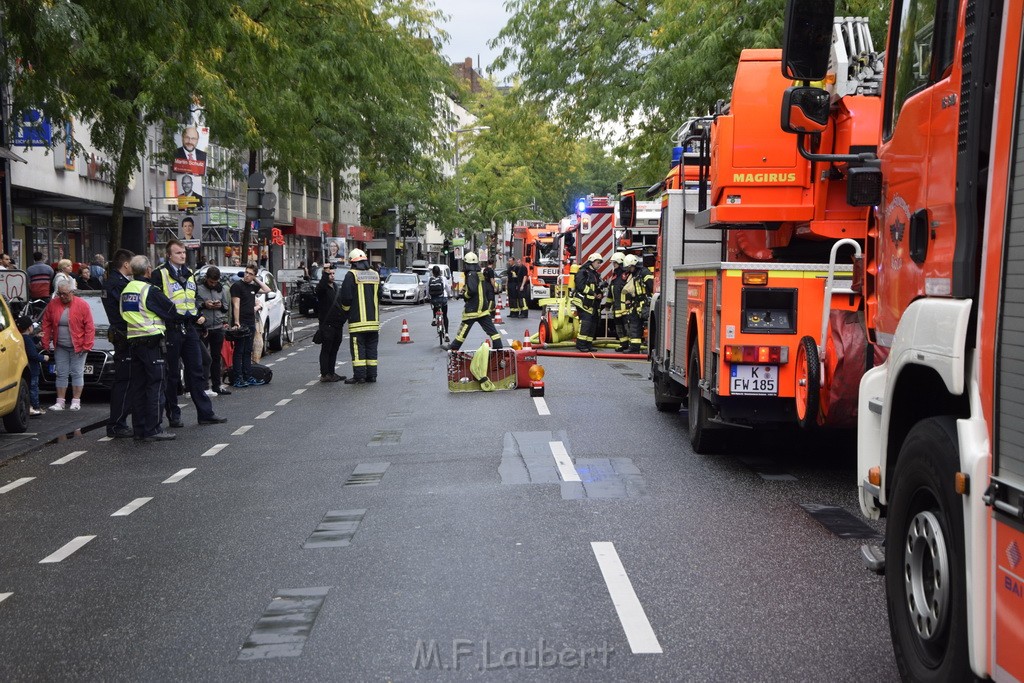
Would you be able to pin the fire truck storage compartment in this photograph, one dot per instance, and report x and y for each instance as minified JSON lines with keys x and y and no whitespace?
{"x":769,"y":311}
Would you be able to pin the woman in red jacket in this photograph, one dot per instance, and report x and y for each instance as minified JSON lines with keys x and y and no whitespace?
{"x":69,"y":330}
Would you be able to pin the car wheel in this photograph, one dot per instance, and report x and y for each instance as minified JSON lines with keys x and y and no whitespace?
{"x":277,"y":340}
{"x":266,"y":339}
{"x":16,"y":421}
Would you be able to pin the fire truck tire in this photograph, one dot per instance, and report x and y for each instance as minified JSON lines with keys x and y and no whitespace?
{"x":925,"y":581}
{"x":807,"y":392}
{"x":698,"y":409}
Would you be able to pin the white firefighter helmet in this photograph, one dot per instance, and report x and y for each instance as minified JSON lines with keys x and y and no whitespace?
{"x":617,"y":257}
{"x":356,"y":255}
{"x":471,"y":257}
{"x":630,"y":260}
{"x":595,"y":258}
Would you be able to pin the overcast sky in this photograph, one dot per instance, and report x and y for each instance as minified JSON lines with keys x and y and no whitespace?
{"x":472,"y":24}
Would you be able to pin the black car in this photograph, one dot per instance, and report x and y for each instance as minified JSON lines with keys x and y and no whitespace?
{"x":99,"y":363}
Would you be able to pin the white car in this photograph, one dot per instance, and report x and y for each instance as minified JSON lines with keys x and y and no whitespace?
{"x":404,"y":288}
{"x":274,"y":316}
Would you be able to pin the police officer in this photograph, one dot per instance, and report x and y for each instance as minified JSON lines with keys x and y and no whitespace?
{"x":478,"y":296}
{"x":360,"y":300}
{"x":587,"y":298}
{"x":638,"y":290}
{"x":619,"y":310}
{"x":176,"y":282}
{"x":117,"y":332}
{"x":144,"y":310}
{"x":516,"y":283}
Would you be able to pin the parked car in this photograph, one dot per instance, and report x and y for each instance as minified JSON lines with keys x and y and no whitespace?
{"x":308,"y":302}
{"x":404,"y":288}
{"x":99,"y":363}
{"x":274,"y":316}
{"x":14,"y":375}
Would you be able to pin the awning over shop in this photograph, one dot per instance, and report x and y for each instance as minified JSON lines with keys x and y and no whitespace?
{"x":307,"y":227}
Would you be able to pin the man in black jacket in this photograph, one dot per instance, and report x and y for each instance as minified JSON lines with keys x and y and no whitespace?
{"x":332,"y":320}
{"x":120,"y":408}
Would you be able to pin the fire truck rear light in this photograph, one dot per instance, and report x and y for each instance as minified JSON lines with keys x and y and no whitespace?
{"x":875,"y":476}
{"x":764,"y":355}
{"x":755,"y":277}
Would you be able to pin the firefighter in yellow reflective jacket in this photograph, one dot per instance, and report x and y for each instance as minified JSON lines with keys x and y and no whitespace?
{"x":478,"y":296}
{"x":586,"y":300}
{"x":637,"y":292}
{"x":360,"y":300}
{"x":619,"y":310}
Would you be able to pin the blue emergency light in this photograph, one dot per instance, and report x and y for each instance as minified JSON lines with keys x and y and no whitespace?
{"x":581,"y":206}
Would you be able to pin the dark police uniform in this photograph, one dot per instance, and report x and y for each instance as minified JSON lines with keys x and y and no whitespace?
{"x":144,"y":309}
{"x":516,"y":300}
{"x":120,"y":407}
{"x":332,"y":322}
{"x":360,"y":299}
{"x":183,"y":343}
{"x":478,"y":297}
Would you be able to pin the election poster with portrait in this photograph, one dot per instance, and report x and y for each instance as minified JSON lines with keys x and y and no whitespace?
{"x":190,"y":232}
{"x":190,"y":166}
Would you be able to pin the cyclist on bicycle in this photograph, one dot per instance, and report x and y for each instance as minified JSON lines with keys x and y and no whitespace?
{"x":439,"y":292}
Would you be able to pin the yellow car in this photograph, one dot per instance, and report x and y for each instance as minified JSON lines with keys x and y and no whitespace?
{"x":14,"y":373}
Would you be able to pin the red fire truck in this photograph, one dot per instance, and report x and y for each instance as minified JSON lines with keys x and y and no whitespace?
{"x":940,"y":432}
{"x":541,"y":246}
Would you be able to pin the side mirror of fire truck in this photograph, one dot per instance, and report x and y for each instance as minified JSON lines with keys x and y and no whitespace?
{"x":807,"y":39}
{"x":805,"y":110}
{"x":627,"y":210}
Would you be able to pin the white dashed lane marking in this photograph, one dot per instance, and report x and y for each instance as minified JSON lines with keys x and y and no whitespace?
{"x":131,"y":507}
{"x":542,"y":405}
{"x":298,"y":392}
{"x":215,"y":450}
{"x":283,"y":402}
{"x":68,"y":458}
{"x":179,"y":475}
{"x":639,"y":633}
{"x":265,"y":414}
{"x":67,"y":550}
{"x":4,"y":596}
{"x":563,"y":462}
{"x":15,"y":484}
{"x":309,"y":384}
{"x":241,"y":430}
{"x":106,"y":438}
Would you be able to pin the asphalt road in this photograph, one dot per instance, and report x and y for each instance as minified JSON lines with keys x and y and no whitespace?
{"x":397,"y":532}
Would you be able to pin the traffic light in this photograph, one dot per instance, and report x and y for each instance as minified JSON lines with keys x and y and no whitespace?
{"x":447,"y":246}
{"x":259,"y":205}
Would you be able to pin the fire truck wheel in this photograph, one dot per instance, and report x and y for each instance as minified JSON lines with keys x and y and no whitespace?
{"x":665,"y":400}
{"x":924,"y":539}
{"x":698,"y":409}
{"x":808,"y":383}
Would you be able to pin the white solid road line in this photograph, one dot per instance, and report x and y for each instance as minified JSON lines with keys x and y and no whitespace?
{"x":179,"y":475}
{"x":68,"y":458}
{"x":265,"y":414}
{"x":542,"y":405}
{"x":67,"y":550}
{"x":241,"y":430}
{"x":4,"y":596}
{"x":131,"y":507}
{"x":565,"y":466}
{"x":639,"y":633}
{"x":15,"y":484}
{"x":215,"y":450}
{"x":283,"y":402}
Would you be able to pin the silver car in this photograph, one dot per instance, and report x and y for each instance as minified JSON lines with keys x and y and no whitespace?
{"x":404,"y":288}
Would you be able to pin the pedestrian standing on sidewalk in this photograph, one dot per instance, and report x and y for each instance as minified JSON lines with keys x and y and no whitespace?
{"x":214,"y":302}
{"x":69,"y":330}
{"x":183,"y":344}
{"x":243,"y":307}
{"x":40,"y":274}
{"x":360,"y":299}
{"x":332,"y":320}
{"x":35,"y":363}
{"x":117,"y":332}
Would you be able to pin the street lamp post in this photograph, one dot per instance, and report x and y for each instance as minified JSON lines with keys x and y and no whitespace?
{"x":458,"y":132}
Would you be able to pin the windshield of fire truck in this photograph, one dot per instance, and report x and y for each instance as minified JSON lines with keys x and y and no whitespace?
{"x":547,"y":253}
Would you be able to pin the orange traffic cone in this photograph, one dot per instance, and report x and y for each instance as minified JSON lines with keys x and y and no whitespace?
{"x":405,"y":339}
{"x":497,"y":313}
{"x":526,"y":340}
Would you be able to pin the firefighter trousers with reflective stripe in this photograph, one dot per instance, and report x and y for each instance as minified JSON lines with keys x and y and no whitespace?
{"x":364,"y":354}
{"x":486,"y":324}
{"x":636,"y":328}
{"x":620,"y":326}
{"x":588,"y":325}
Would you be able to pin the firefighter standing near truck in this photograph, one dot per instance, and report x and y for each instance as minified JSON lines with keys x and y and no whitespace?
{"x":360,"y":301}
{"x":637,"y":292}
{"x":617,"y":304}
{"x":588,"y":286}
{"x":478,"y":297}
{"x":516,"y":280}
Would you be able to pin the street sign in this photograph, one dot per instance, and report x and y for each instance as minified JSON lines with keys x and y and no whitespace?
{"x":14,"y":285}
{"x":458,"y":241}
{"x":290,"y":275}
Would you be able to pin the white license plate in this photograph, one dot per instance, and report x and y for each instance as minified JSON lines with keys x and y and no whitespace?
{"x":88,"y":369}
{"x":754,"y":380}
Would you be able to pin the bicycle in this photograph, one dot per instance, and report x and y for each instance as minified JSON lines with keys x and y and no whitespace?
{"x":442,"y":331}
